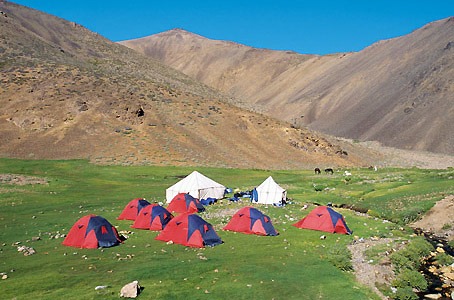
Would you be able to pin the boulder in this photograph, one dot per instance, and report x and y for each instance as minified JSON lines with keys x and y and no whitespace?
{"x":440,"y":250}
{"x":432,"y":296}
{"x":449,"y":275}
{"x":131,"y":290}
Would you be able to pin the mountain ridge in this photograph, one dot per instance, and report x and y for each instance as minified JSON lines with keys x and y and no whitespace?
{"x":395,"y":91}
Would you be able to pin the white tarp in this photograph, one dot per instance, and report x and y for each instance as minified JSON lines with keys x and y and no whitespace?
{"x":198,"y":186}
{"x":270,"y":192}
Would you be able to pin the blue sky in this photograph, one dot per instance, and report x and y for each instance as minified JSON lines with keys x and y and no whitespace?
{"x":313,"y":27}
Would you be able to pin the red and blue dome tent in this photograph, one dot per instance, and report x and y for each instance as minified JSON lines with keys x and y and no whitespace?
{"x":251,"y":221}
{"x":92,"y":232}
{"x":132,"y":209}
{"x":152,"y":217}
{"x":185,"y":203}
{"x":324,"y":218}
{"x":190,"y":230}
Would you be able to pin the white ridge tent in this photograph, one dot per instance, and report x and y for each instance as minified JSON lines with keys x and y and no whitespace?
{"x":269,"y":192}
{"x":198,"y":186}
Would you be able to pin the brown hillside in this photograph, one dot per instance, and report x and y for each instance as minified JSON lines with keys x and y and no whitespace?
{"x":237,"y":69}
{"x":67,"y":92}
{"x":398,"y":91}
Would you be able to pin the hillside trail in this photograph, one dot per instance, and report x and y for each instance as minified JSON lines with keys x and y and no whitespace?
{"x":367,"y":273}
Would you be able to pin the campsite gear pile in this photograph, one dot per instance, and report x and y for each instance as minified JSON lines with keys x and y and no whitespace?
{"x":188,"y":228}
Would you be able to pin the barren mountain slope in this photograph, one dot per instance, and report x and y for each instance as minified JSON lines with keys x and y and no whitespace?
{"x":237,"y":69}
{"x":398,"y":91}
{"x":66,"y":92}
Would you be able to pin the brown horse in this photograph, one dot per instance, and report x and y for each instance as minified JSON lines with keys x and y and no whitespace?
{"x":317,"y":171}
{"x":329,"y":170}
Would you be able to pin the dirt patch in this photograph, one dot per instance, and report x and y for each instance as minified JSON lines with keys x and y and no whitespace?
{"x":439,"y":220}
{"x":367,"y":273}
{"x":228,"y":212}
{"x":21,"y":179}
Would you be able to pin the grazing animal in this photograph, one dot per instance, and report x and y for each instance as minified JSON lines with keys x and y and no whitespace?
{"x":329,"y":170}
{"x":347,"y":173}
{"x":317,"y":171}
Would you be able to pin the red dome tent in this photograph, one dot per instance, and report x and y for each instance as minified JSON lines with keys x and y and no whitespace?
{"x":92,"y":232}
{"x":185,"y":203}
{"x":152,"y":217}
{"x":132,"y":209}
{"x":251,"y":221}
{"x":324,"y":219}
{"x":190,"y":230}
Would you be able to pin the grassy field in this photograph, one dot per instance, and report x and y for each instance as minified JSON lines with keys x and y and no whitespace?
{"x":294,"y":265}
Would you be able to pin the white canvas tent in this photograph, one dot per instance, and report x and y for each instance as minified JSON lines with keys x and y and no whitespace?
{"x":198,"y":186}
{"x":270,"y":192}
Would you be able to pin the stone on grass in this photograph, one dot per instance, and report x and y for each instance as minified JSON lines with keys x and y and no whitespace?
{"x":5,"y":276}
{"x":131,"y":290}
{"x":26,"y":250}
{"x":101,"y":287}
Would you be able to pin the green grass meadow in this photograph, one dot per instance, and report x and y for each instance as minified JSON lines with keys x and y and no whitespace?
{"x":294,"y":265}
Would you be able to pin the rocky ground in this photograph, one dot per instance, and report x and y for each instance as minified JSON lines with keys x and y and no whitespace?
{"x":367,"y":273}
{"x":21,"y":179}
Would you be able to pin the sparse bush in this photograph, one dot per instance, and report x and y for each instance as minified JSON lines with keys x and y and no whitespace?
{"x":405,"y":293}
{"x":401,"y":261}
{"x":420,"y":246}
{"x":411,"y":214}
{"x":340,"y":257}
{"x":446,"y":226}
{"x":412,"y":255}
{"x":319,"y":188}
{"x":443,"y":259}
{"x":410,"y":278}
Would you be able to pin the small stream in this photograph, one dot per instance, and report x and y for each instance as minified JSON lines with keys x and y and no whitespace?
{"x":434,"y":282}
